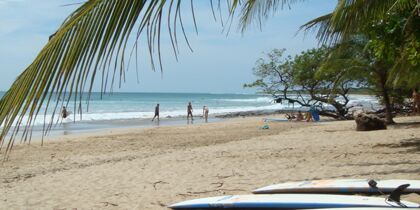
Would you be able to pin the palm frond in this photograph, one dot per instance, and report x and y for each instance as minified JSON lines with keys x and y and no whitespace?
{"x":350,"y":15}
{"x":257,"y":11}
{"x":90,"y":44}
{"x":321,"y":25}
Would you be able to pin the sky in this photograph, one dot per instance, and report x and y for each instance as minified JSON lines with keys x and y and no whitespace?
{"x":219,"y":63}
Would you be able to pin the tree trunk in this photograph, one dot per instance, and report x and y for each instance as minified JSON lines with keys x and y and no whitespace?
{"x":388,"y":107}
{"x":385,"y":94}
{"x":340,"y":110}
{"x":333,"y":115}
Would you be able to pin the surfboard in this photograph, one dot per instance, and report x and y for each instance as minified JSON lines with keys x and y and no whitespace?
{"x":340,"y":186}
{"x":357,"y":208}
{"x":288,"y":201}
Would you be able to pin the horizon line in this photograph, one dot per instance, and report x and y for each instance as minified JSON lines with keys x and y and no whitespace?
{"x":110,"y":93}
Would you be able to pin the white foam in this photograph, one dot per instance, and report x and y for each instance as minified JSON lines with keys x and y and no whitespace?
{"x":251,"y":100}
{"x":110,"y":112}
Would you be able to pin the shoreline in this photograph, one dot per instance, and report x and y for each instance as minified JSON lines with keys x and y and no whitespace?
{"x":150,"y":168}
{"x":98,"y":126}
{"x":256,"y":113}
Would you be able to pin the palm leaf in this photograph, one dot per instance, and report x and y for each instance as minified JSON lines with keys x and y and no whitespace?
{"x":257,"y":11}
{"x":350,"y":15}
{"x":321,"y":25}
{"x":91,"y":45}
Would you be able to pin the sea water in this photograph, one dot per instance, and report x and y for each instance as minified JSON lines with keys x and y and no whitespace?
{"x":137,"y":109}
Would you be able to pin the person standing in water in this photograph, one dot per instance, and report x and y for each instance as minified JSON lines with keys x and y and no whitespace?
{"x":206,"y":113}
{"x":156,"y":113}
{"x":189,"y":111}
{"x":64,"y":112}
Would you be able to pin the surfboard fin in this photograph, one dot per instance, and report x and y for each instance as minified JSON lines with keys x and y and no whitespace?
{"x":372,"y":183}
{"x":395,"y":196}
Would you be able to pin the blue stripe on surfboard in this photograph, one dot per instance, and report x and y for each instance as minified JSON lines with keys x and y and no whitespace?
{"x":340,"y":186}
{"x":294,"y":205}
{"x":300,"y":201}
{"x":273,"y":205}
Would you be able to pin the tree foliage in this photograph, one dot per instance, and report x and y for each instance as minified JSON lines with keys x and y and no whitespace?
{"x":397,"y":21}
{"x":387,"y":38}
{"x":307,"y":79}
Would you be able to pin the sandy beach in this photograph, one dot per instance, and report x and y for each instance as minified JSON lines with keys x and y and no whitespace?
{"x":150,"y":168}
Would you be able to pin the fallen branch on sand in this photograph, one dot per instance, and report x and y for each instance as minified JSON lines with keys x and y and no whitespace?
{"x":344,"y":154}
{"x":227,"y":176}
{"x":220,"y":184}
{"x":158,"y":182}
{"x":108,"y":204}
{"x":209,"y":191}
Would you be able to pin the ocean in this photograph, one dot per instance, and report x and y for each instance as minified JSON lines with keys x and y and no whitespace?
{"x":137,"y":109}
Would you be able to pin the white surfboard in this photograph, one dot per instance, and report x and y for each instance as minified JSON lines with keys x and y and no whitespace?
{"x":360,"y":208}
{"x":288,"y":201}
{"x":357,"y":208}
{"x":340,"y":186}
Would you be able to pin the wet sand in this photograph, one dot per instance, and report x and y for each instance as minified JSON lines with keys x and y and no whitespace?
{"x":150,"y":168}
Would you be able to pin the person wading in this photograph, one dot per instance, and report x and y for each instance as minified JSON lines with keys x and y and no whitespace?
{"x":189,"y":111}
{"x":206,"y":113}
{"x":156,"y":113}
{"x":64,"y":112}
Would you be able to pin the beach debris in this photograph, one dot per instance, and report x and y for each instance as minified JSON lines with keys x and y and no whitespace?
{"x":158,"y":182}
{"x":224,"y":177}
{"x":160,"y":203}
{"x":344,"y":155}
{"x":369,"y":122}
{"x":219,"y":184}
{"x":228,"y":176}
{"x":265,"y":127}
{"x":220,"y":190}
{"x":106,"y":203}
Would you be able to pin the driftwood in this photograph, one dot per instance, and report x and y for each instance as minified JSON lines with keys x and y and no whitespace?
{"x":369,"y":122}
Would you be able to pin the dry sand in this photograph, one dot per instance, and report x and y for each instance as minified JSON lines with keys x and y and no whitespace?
{"x":154,"y":167}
